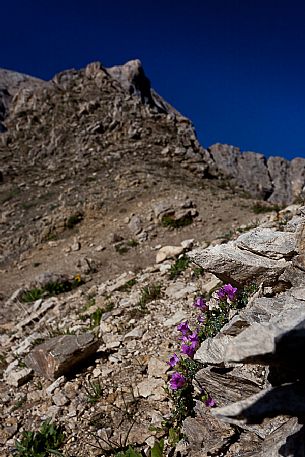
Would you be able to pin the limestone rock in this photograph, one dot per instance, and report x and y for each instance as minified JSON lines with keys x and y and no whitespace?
{"x":227,"y":385}
{"x":268,"y":243}
{"x":175,"y":318}
{"x":231,"y":264}
{"x":247,"y":169}
{"x":156,"y":368}
{"x":271,"y":342}
{"x":15,"y":376}
{"x":135,"y":224}
{"x":206,"y":434}
{"x":180,"y":290}
{"x":167,"y":252}
{"x":287,"y":400}
{"x":61,"y":354}
{"x":212,"y":350}
{"x":152,"y":387}
{"x":40,"y":307}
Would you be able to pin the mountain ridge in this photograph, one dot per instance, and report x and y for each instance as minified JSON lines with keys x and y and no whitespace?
{"x":275,"y":179}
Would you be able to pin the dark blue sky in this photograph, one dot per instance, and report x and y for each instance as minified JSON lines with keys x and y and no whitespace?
{"x":235,"y":67}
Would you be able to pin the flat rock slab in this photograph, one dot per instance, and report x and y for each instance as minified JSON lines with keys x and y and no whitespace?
{"x":231,"y":264}
{"x":268,"y":243}
{"x":61,"y":355}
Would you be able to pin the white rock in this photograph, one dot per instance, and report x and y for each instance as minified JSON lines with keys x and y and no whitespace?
{"x":100,"y":248}
{"x":164,"y":267}
{"x":137,"y":332}
{"x":175,"y":319}
{"x":57,"y":383}
{"x":59,"y":399}
{"x":150,"y":387}
{"x":18,"y":377}
{"x":211,"y":284}
{"x":187,"y":244}
{"x":112,"y":340}
{"x":167,"y":252}
{"x":156,"y":367}
{"x":180,"y":290}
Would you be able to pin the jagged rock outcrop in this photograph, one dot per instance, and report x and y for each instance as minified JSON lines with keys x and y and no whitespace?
{"x":254,"y":368}
{"x":10,"y":83}
{"x":275,"y":179}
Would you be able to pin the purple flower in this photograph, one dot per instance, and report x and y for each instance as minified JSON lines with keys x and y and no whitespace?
{"x":201,"y":304}
{"x":190,"y":344}
{"x":201,"y":319}
{"x":184,"y":328}
{"x":221,"y":294}
{"x":210,"y":402}
{"x":177,"y":381}
{"x":227,"y":291}
{"x":173,"y":360}
{"x":194,"y":337}
{"x":188,"y":349}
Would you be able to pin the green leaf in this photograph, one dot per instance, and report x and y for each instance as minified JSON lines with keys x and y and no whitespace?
{"x":173,"y":436}
{"x":157,"y":449}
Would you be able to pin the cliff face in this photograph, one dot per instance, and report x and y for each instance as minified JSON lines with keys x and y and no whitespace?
{"x":274,"y":179}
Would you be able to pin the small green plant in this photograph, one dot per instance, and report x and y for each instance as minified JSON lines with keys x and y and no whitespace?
{"x":19,"y":403}
{"x":157,"y":449}
{"x":94,"y":391}
{"x":44,"y":443}
{"x":149,"y":293}
{"x":90,"y":302}
{"x":95,"y":318}
{"x":179,"y":266}
{"x":51,"y":289}
{"x":124,"y":246}
{"x":29,"y":204}
{"x":52,"y":236}
{"x":170,"y":221}
{"x":73,"y":220}
{"x":130,"y":452}
{"x":9,"y":195}
{"x":198,"y":272}
{"x":31,"y":295}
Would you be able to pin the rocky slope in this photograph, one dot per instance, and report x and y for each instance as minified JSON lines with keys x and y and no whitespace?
{"x":103,"y":187}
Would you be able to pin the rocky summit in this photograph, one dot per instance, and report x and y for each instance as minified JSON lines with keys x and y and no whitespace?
{"x":114,"y":222}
